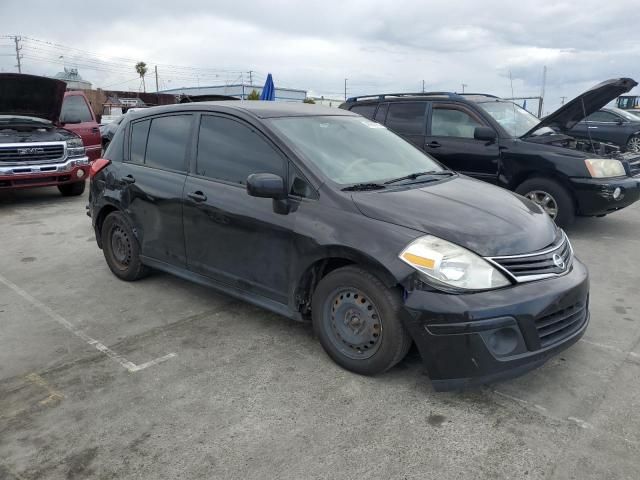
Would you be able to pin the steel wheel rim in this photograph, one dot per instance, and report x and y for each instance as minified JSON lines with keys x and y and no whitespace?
{"x":120,"y":247}
{"x":352,"y":323}
{"x":634,"y":144}
{"x":545,"y":200}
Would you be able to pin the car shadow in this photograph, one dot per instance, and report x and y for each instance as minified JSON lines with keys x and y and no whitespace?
{"x":614,"y":224}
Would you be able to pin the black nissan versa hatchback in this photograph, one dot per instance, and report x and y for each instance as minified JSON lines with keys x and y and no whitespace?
{"x":494,"y":140}
{"x":321,"y":214}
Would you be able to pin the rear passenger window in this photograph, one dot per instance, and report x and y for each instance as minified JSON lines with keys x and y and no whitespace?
{"x":381,"y":114}
{"x":230,"y":150}
{"x":167,"y":144}
{"x":138,"y":146}
{"x":366,"y":111}
{"x":407,"y":118}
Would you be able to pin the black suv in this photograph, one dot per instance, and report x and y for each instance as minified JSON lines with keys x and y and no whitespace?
{"x":495,"y":140}
{"x":320,"y":214}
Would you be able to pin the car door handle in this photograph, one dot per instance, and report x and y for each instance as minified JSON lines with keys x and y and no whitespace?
{"x":197,"y":196}
{"x":129,"y":179}
{"x":434,"y":145}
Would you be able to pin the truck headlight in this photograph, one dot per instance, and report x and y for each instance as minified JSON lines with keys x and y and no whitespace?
{"x":75,"y":148}
{"x":605,"y":167}
{"x":448,"y":264}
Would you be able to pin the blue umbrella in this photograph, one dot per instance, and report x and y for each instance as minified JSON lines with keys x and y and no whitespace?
{"x":268,"y":91}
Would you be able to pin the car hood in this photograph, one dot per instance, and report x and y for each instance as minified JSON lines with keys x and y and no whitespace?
{"x":566,"y":117}
{"x":484,"y":218}
{"x":31,"y":96}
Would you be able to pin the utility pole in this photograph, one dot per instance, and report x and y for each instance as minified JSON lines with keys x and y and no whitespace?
{"x":562,"y":98}
{"x":250,"y":77}
{"x":156,"y":70}
{"x":345,"y":89}
{"x":544,"y":84}
{"x":422,"y":86}
{"x":18,"y":56}
{"x":464,"y":85}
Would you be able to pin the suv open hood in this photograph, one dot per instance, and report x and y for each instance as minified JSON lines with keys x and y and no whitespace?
{"x":31,"y":96}
{"x":566,"y":117}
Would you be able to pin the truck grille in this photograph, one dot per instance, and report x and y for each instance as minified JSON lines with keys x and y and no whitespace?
{"x":561,"y":324}
{"x":553,"y":261}
{"x":29,"y":153}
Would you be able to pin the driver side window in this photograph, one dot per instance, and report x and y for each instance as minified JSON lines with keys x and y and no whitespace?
{"x":452,"y":122}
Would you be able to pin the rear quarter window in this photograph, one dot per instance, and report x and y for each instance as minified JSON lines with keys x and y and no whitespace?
{"x":366,"y":111}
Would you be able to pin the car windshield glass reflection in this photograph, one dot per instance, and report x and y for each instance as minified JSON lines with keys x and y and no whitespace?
{"x":515,"y":120}
{"x":352,"y":150}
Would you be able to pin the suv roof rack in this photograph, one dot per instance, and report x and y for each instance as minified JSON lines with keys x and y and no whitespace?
{"x":382,"y":96}
{"x":471,"y":94}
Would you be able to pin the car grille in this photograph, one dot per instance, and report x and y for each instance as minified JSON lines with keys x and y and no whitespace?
{"x":553,"y":261}
{"x":30,"y":153}
{"x":561,"y":324}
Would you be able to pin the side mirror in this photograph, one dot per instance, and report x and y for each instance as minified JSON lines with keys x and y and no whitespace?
{"x":486,"y":134}
{"x":619,"y":121}
{"x":266,"y":185}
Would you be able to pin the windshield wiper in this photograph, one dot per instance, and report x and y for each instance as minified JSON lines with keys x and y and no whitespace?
{"x":358,"y":187}
{"x":414,"y":176}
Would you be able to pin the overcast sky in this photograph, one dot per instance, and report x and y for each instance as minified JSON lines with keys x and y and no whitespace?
{"x":380,"y":46}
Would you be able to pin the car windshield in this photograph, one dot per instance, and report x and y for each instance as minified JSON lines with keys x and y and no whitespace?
{"x":514,"y":119}
{"x":352,"y":150}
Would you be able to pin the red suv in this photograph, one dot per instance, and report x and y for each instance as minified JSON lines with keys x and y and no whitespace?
{"x":35,"y":151}
{"x":77,"y":116}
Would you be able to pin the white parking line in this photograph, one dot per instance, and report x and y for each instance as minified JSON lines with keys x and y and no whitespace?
{"x":128,"y":365}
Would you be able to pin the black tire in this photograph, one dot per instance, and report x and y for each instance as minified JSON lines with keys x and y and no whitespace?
{"x":633,"y":144}
{"x":121,"y":249}
{"x":385,"y":342}
{"x":565,"y":207}
{"x":72,"y":189}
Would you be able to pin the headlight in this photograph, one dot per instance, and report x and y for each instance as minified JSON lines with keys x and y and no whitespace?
{"x":448,"y":264}
{"x":605,"y":167}
{"x":75,"y":148}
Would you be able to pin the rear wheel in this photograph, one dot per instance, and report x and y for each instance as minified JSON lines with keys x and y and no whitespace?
{"x":72,"y":189}
{"x":356,"y":318}
{"x":633,"y":144}
{"x":552,"y":197}
{"x":121,"y":249}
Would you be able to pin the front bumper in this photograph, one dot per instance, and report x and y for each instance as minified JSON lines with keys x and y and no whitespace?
{"x":595,"y":196}
{"x":44,"y":175}
{"x":478,"y":338}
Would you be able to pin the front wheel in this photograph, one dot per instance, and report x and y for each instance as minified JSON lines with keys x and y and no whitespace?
{"x":633,"y":144}
{"x":72,"y":189}
{"x":356,"y":318}
{"x":554,"y":199}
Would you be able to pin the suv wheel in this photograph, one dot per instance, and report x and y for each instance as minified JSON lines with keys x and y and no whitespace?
{"x":357,"y":321}
{"x":633,"y":144}
{"x":552,"y":197}
{"x":72,"y":189}
{"x":121,"y":248}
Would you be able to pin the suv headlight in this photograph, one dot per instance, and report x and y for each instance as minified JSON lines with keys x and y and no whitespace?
{"x":75,"y":148}
{"x":450,"y":265}
{"x":605,"y":167}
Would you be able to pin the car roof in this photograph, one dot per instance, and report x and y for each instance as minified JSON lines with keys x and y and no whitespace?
{"x":425,"y":97}
{"x":257,"y":108}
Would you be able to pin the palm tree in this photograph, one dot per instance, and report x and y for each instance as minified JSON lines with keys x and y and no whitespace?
{"x":141,"y":68}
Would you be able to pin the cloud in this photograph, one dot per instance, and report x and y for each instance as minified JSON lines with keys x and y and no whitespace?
{"x":378,"y":45}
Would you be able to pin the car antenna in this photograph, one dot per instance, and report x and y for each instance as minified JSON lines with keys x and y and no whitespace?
{"x":584,"y":112}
